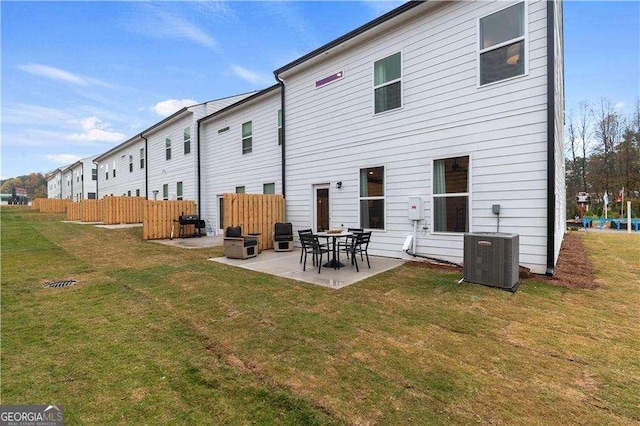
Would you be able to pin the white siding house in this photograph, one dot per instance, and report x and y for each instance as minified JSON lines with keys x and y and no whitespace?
{"x":54,"y":183}
{"x":240,"y":152}
{"x":458,"y":103}
{"x":67,"y":183}
{"x":83,"y":179}
{"x":121,"y":170}
{"x":172,"y":151}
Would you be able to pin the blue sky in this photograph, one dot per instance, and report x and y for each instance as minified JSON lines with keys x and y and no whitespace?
{"x":81,"y":77}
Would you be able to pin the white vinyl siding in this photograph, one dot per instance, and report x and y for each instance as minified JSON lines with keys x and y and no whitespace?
{"x":120,"y":159}
{"x":502,"y":126}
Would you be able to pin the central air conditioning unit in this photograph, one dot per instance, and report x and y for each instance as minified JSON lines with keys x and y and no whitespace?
{"x":492,"y":259}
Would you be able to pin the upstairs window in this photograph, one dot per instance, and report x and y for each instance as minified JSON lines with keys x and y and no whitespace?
{"x":187,"y":140}
{"x":130,"y":163}
{"x":372,"y":198}
{"x":502,"y":44}
{"x":247,"y":137}
{"x":106,"y":172}
{"x":387,"y":83}
{"x":167,"y":144}
{"x":114,"y":168}
{"x":451,"y":194}
{"x":142,"y":158}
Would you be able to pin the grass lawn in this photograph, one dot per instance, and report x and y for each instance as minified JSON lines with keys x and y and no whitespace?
{"x":160,"y":335}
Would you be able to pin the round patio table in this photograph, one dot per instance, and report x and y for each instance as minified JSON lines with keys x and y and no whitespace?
{"x":333,"y":263}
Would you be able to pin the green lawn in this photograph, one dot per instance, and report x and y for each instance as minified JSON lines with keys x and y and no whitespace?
{"x":160,"y":335}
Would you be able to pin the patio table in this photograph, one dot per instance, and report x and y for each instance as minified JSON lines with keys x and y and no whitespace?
{"x":333,"y":263}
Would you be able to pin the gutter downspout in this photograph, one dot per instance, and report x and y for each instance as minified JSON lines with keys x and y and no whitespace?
{"x":282,"y":147}
{"x":146,"y":168}
{"x":198,"y":168}
{"x":97,"y":177}
{"x":551,"y":142}
{"x":82,"y":180}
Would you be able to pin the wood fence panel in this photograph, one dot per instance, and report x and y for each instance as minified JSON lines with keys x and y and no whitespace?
{"x":73,"y":211}
{"x":256,"y":213}
{"x":123,"y":210}
{"x":159,"y":217}
{"x":91,"y":210}
{"x":51,"y":205}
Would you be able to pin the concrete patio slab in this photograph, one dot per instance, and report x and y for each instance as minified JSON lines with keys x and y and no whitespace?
{"x":287,"y":265}
{"x":192,"y":243}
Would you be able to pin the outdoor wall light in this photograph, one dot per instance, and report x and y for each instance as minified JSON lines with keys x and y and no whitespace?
{"x":339,"y":185}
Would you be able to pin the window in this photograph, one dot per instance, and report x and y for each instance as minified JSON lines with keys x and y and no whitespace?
{"x":372,"y":198}
{"x":179,"y":190}
{"x":91,"y":195}
{"x":502,"y":44}
{"x":269,"y":188}
{"x":451,"y":194}
{"x":77,"y":177}
{"x":137,"y":192}
{"x":223,"y":130}
{"x":187,"y":140}
{"x":94,"y":174}
{"x":106,"y":171}
{"x":279,"y":127}
{"x":247,"y":140}
{"x":130,"y":163}
{"x":165,"y":191}
{"x":142,"y":158}
{"x":387,"y":83}
{"x":167,"y":143}
{"x":128,"y":193}
{"x":239,"y":189}
{"x":114,"y":168}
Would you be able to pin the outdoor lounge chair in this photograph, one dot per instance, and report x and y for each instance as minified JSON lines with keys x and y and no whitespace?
{"x":238,"y":246}
{"x":283,"y":237}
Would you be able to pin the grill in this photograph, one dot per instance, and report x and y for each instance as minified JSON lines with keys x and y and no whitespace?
{"x":185,"y":220}
{"x":59,"y":284}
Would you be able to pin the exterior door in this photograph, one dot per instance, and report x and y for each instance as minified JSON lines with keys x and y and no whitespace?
{"x":321,"y":207}
{"x":220,"y":204}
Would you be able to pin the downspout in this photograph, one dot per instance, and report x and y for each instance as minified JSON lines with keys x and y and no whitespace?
{"x":282,"y":147}
{"x":551,"y":141}
{"x":146,"y":168}
{"x":198,"y":167}
{"x":82,"y":180}
{"x":97,"y":177}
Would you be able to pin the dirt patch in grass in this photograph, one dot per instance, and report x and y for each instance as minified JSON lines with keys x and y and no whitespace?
{"x":573,"y":270}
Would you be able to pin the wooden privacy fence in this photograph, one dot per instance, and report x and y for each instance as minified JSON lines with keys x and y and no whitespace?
{"x":73,"y":211}
{"x":256,"y":213}
{"x":91,"y":210}
{"x":123,"y":210}
{"x":159,"y":217}
{"x":51,"y":205}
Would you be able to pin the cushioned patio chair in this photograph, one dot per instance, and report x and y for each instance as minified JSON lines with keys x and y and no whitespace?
{"x":283,"y":237}
{"x":238,"y":246}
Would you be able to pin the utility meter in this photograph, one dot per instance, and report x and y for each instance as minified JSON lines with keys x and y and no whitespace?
{"x":416,"y":212}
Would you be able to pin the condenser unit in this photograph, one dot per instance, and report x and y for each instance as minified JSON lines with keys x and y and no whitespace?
{"x":492,"y":259}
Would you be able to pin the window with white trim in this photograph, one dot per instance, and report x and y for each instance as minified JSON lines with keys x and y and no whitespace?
{"x":451,"y":194}
{"x":247,"y":137}
{"x":387,"y":83}
{"x":269,"y":188}
{"x":179,"y":190}
{"x":240,"y":189}
{"x":165,"y":191}
{"x":130,"y":163}
{"x":114,"y":168}
{"x":372,"y":200}
{"x":187,"y":140}
{"x":142,"y":158}
{"x":502,"y":44}
{"x":167,"y":146}
{"x":279,"y":127}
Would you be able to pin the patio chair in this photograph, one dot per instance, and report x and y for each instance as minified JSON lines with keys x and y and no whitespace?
{"x":311,"y":245}
{"x":302,"y":232}
{"x":342,"y":245}
{"x":238,"y":246}
{"x":359,"y":244}
{"x":283,"y":237}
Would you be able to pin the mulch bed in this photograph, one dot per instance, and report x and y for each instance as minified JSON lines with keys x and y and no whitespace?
{"x":573,"y":270}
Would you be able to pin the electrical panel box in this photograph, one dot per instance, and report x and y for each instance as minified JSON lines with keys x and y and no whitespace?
{"x":416,"y":211}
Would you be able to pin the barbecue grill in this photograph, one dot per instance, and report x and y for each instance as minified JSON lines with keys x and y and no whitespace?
{"x":184,"y":220}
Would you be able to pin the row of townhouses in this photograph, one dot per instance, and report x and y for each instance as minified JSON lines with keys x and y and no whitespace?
{"x":456,"y":106}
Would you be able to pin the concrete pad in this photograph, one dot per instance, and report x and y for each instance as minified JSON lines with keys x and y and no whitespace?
{"x":192,"y":243}
{"x":287,"y":265}
{"x":121,"y":226}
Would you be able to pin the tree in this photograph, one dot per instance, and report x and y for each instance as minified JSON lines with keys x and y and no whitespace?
{"x":583,"y":132}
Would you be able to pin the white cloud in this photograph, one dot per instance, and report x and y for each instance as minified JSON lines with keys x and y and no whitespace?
{"x":250,"y":76}
{"x":168,"y":107}
{"x":619,"y":105}
{"x":63,"y":158}
{"x":95,"y":131}
{"x":62,"y":75}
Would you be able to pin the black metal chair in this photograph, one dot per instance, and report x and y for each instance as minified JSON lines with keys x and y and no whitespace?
{"x":302,"y":232}
{"x":358,"y":244}
{"x":311,"y":245}
{"x":342,"y":245}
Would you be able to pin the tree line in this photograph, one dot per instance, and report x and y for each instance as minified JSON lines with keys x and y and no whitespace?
{"x":34,"y":183}
{"x":602,"y":154}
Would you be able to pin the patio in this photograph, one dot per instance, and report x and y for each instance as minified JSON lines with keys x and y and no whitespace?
{"x":287,"y":265}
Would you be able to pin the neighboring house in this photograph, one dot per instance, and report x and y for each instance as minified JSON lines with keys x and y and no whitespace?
{"x":121,"y":170}
{"x":458,"y":103}
{"x":83,"y":179}
{"x":67,"y":183}
{"x":54,"y":183}
{"x":172,"y":151}
{"x":240,"y":152}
